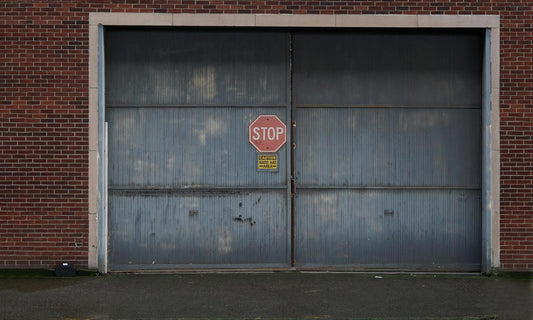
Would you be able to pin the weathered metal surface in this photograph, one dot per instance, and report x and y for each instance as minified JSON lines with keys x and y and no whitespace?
{"x":411,"y":68}
{"x":388,"y":147}
{"x":409,"y":229}
{"x":184,"y":187}
{"x":154,"y":67}
{"x":187,"y":147}
{"x":219,"y":229}
{"x":391,"y":187}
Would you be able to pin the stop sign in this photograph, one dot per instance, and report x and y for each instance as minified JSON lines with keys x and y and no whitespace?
{"x":267,"y":133}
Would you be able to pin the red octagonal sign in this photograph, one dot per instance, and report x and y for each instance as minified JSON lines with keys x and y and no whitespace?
{"x":267,"y":133}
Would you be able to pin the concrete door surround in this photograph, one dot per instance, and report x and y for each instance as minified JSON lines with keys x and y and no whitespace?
{"x":491,"y":23}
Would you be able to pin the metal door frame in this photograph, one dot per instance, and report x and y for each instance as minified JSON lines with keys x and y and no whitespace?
{"x":97,"y":255}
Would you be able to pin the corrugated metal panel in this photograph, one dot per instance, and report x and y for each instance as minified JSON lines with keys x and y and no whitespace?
{"x":375,"y":187}
{"x":187,"y":147}
{"x":183,"y":180}
{"x":154,"y":67}
{"x":189,"y":229}
{"x":420,"y":68}
{"x":428,"y":229}
{"x":388,"y":147}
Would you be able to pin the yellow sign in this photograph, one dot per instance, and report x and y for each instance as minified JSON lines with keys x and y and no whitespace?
{"x":267,"y":162}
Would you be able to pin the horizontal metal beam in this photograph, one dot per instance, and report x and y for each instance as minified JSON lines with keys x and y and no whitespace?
{"x":276,"y":187}
{"x":391,"y":187}
{"x":192,"y":188}
{"x":192,"y":106}
{"x":450,"y":269}
{"x":196,"y":267}
{"x":383,"y":106}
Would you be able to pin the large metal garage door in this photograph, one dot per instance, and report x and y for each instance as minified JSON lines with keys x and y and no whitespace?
{"x":184,"y":190}
{"x":386,"y":160}
{"x":388,"y":149}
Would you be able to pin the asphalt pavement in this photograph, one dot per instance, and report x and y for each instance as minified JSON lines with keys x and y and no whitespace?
{"x":286,"y":295}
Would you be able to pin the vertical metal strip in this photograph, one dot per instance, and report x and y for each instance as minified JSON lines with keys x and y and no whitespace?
{"x":102,"y":181}
{"x":486,"y":259}
{"x":105,"y":199}
{"x":290,"y":158}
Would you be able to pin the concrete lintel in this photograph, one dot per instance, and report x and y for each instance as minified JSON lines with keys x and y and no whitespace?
{"x":295,"y":20}
{"x":458,"y":21}
{"x":292,"y":20}
{"x":129,"y":19}
{"x":376,"y":21}
{"x":209,"y":20}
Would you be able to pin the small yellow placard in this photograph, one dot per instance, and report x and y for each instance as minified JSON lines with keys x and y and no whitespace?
{"x":267,"y":162}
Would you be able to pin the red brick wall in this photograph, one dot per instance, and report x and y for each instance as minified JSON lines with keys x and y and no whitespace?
{"x":44,"y":115}
{"x":43,"y":134}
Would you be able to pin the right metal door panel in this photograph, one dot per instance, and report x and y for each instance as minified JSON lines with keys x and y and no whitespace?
{"x":388,"y":149}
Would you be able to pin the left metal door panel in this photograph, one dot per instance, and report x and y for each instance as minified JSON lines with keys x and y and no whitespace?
{"x":184,"y":190}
